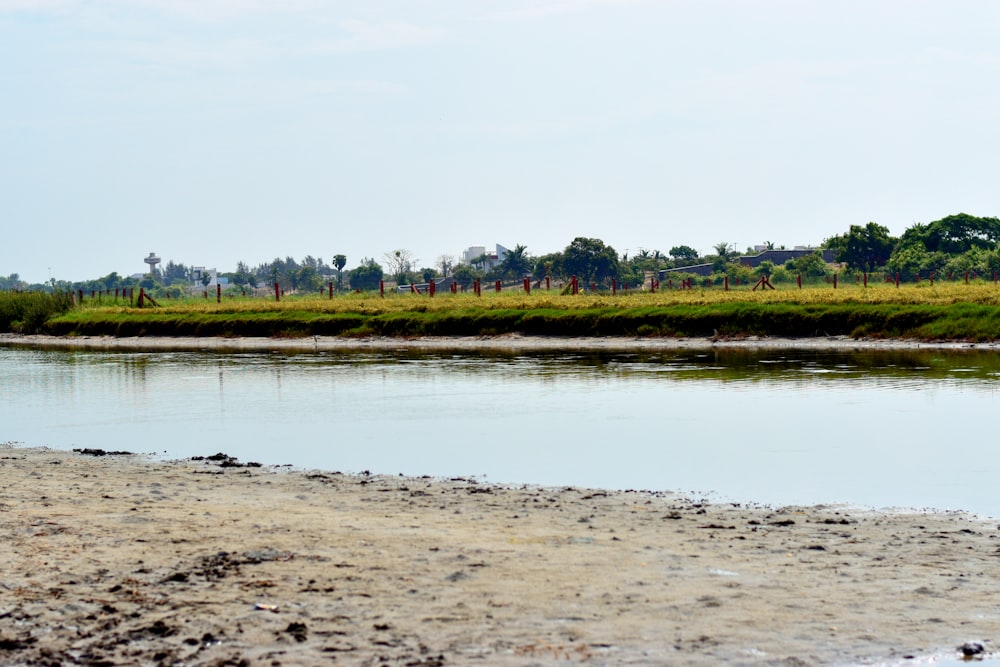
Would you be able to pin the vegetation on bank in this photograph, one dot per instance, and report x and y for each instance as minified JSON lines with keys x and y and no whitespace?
{"x":921,"y":311}
{"x":28,"y":312}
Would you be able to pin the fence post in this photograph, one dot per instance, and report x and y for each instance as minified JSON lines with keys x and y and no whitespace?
{"x":218,"y":293}
{"x":527,"y":285}
{"x":614,"y":286}
{"x":835,"y":281}
{"x":331,"y":290}
{"x":866,"y":279}
{"x":548,"y":283}
{"x":897,"y":278}
{"x":277,"y":291}
{"x":798,"y":279}
{"x":498,"y":286}
{"x":725,"y":283}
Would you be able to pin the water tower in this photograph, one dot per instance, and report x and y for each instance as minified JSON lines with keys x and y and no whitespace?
{"x":152,"y":260}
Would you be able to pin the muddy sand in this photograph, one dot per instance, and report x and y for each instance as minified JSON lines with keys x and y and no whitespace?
{"x":119,"y":559}
{"x":505,"y":342}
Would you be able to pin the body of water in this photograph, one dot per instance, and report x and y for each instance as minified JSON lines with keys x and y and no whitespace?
{"x":899,"y":429}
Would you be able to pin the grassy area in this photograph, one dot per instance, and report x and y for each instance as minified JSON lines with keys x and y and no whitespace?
{"x":27,"y":312}
{"x":942,"y":311}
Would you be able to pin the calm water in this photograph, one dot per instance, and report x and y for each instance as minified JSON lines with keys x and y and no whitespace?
{"x":876,"y":430}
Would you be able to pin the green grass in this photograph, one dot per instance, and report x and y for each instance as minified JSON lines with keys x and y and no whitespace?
{"x":28,"y":312}
{"x":939,"y":312}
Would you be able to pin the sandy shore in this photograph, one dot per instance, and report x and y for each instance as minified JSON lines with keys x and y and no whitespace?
{"x":122,"y":560}
{"x":508,"y":342}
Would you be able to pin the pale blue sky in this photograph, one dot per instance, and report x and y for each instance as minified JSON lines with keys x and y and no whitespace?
{"x":212,"y":131}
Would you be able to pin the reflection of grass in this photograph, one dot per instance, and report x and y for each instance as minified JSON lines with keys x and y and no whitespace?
{"x":942,"y":311}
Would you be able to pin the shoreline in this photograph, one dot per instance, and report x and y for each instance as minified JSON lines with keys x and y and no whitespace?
{"x":131,"y":559}
{"x":505,"y":342}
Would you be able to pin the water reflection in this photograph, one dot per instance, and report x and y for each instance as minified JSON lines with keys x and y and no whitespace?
{"x":875,"y":428}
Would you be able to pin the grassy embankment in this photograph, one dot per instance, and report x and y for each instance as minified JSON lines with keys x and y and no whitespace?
{"x":28,"y":312}
{"x":922,"y":311}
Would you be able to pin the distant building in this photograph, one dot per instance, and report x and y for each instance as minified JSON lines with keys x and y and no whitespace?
{"x":491,"y":259}
{"x":198,"y":274}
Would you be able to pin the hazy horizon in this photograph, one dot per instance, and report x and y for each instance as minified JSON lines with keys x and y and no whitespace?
{"x":220,"y":131}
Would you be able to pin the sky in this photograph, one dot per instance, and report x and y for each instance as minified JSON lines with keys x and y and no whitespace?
{"x":217,"y":131}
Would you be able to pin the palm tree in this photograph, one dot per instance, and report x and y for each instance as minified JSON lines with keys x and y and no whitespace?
{"x":516,"y":264}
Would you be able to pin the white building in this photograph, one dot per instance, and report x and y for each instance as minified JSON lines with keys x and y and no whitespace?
{"x":491,"y":259}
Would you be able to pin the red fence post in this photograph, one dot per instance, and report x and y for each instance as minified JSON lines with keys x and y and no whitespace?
{"x":218,"y":293}
{"x":725,"y":283}
{"x":897,"y":278}
{"x":498,"y":286}
{"x":614,"y":286}
{"x":835,"y":281}
{"x":866,"y":279}
{"x":381,"y":288}
{"x":527,"y":285}
{"x":431,"y":287}
{"x":798,"y":279}
{"x":331,"y":290}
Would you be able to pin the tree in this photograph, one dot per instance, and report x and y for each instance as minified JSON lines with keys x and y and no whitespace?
{"x":366,"y":276}
{"x":550,"y":265}
{"x":863,"y":248}
{"x":400,"y":263}
{"x":339,"y":262}
{"x":684,"y":253}
{"x":308,"y":279}
{"x":446,"y":263}
{"x":516,"y":264}
{"x":590,"y":260}
{"x":954,"y":234}
{"x":465,"y":275}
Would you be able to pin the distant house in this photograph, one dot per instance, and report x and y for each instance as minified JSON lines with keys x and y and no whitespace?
{"x":198,"y":274}
{"x":491,"y":259}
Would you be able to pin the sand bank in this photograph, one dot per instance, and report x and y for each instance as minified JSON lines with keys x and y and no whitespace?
{"x":122,"y":560}
{"x":506,"y":342}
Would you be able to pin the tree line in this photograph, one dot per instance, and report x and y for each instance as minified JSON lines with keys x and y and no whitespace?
{"x":954,"y":245}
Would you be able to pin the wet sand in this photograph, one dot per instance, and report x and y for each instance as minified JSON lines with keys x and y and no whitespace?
{"x":508,"y":342}
{"x":125,"y":560}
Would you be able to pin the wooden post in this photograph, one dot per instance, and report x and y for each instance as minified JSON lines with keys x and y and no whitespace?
{"x":835,"y":281}
{"x":614,"y":286}
{"x":798,"y":279}
{"x":725,"y":283}
{"x":331,"y":290}
{"x":866,"y":278}
{"x":218,"y":293}
{"x":381,"y":288}
{"x":897,"y":278}
{"x":548,"y":283}
{"x":527,"y":285}
{"x":498,"y":286}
